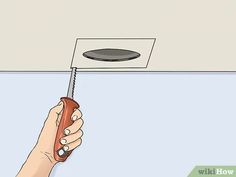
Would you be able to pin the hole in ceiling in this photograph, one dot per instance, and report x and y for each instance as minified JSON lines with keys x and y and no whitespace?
{"x":111,"y":55}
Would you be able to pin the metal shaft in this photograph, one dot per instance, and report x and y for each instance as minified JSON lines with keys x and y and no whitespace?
{"x":71,"y":87}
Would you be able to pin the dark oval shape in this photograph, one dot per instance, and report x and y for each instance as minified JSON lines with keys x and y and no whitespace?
{"x":111,"y":55}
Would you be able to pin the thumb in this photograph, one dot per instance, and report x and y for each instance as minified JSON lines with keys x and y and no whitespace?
{"x":55,"y":113}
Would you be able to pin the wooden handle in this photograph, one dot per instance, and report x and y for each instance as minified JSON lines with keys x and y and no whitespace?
{"x":69,"y":105}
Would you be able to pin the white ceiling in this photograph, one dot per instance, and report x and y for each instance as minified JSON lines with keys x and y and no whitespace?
{"x":191,"y":35}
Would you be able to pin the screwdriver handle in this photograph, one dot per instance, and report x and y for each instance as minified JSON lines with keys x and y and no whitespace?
{"x":69,"y":105}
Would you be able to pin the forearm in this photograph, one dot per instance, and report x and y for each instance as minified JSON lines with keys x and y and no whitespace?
{"x":38,"y":164}
{"x":41,"y":160}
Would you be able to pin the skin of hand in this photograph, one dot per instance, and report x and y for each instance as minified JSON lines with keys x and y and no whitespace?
{"x":41,"y":160}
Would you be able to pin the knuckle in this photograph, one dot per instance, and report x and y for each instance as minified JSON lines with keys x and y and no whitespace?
{"x":81,"y":132}
{"x":79,"y":142}
{"x":52,"y":110}
{"x":82,"y":122}
{"x":79,"y":113}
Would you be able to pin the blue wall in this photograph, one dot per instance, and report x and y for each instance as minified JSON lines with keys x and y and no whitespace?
{"x":136,"y":124}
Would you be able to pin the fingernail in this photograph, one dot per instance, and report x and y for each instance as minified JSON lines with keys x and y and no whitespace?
{"x":67,"y":131}
{"x":75,"y":117}
{"x":65,"y":148}
{"x":60,"y":103}
{"x":60,"y":152}
{"x":63,"y":141}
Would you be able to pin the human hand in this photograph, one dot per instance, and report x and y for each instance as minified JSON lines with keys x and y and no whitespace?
{"x":73,"y":133}
{"x":41,"y":160}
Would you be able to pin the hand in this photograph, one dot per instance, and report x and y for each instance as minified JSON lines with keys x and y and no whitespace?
{"x":41,"y":161}
{"x":73,"y":133}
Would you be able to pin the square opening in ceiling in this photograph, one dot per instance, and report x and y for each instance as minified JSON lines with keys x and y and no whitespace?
{"x":102,"y":53}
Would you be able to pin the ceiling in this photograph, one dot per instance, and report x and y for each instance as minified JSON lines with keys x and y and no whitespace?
{"x":191,"y":35}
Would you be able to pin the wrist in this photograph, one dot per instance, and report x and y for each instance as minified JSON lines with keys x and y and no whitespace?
{"x":36,"y":165}
{"x":43,"y":157}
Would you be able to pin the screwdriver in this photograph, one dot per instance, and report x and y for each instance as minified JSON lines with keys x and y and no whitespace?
{"x":69,"y":106}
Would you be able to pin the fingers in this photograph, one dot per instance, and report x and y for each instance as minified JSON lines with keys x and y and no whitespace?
{"x":74,"y":127}
{"x":71,"y":138}
{"x":76,"y":115}
{"x":54,"y":115}
{"x":73,"y":133}
{"x":72,"y":145}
